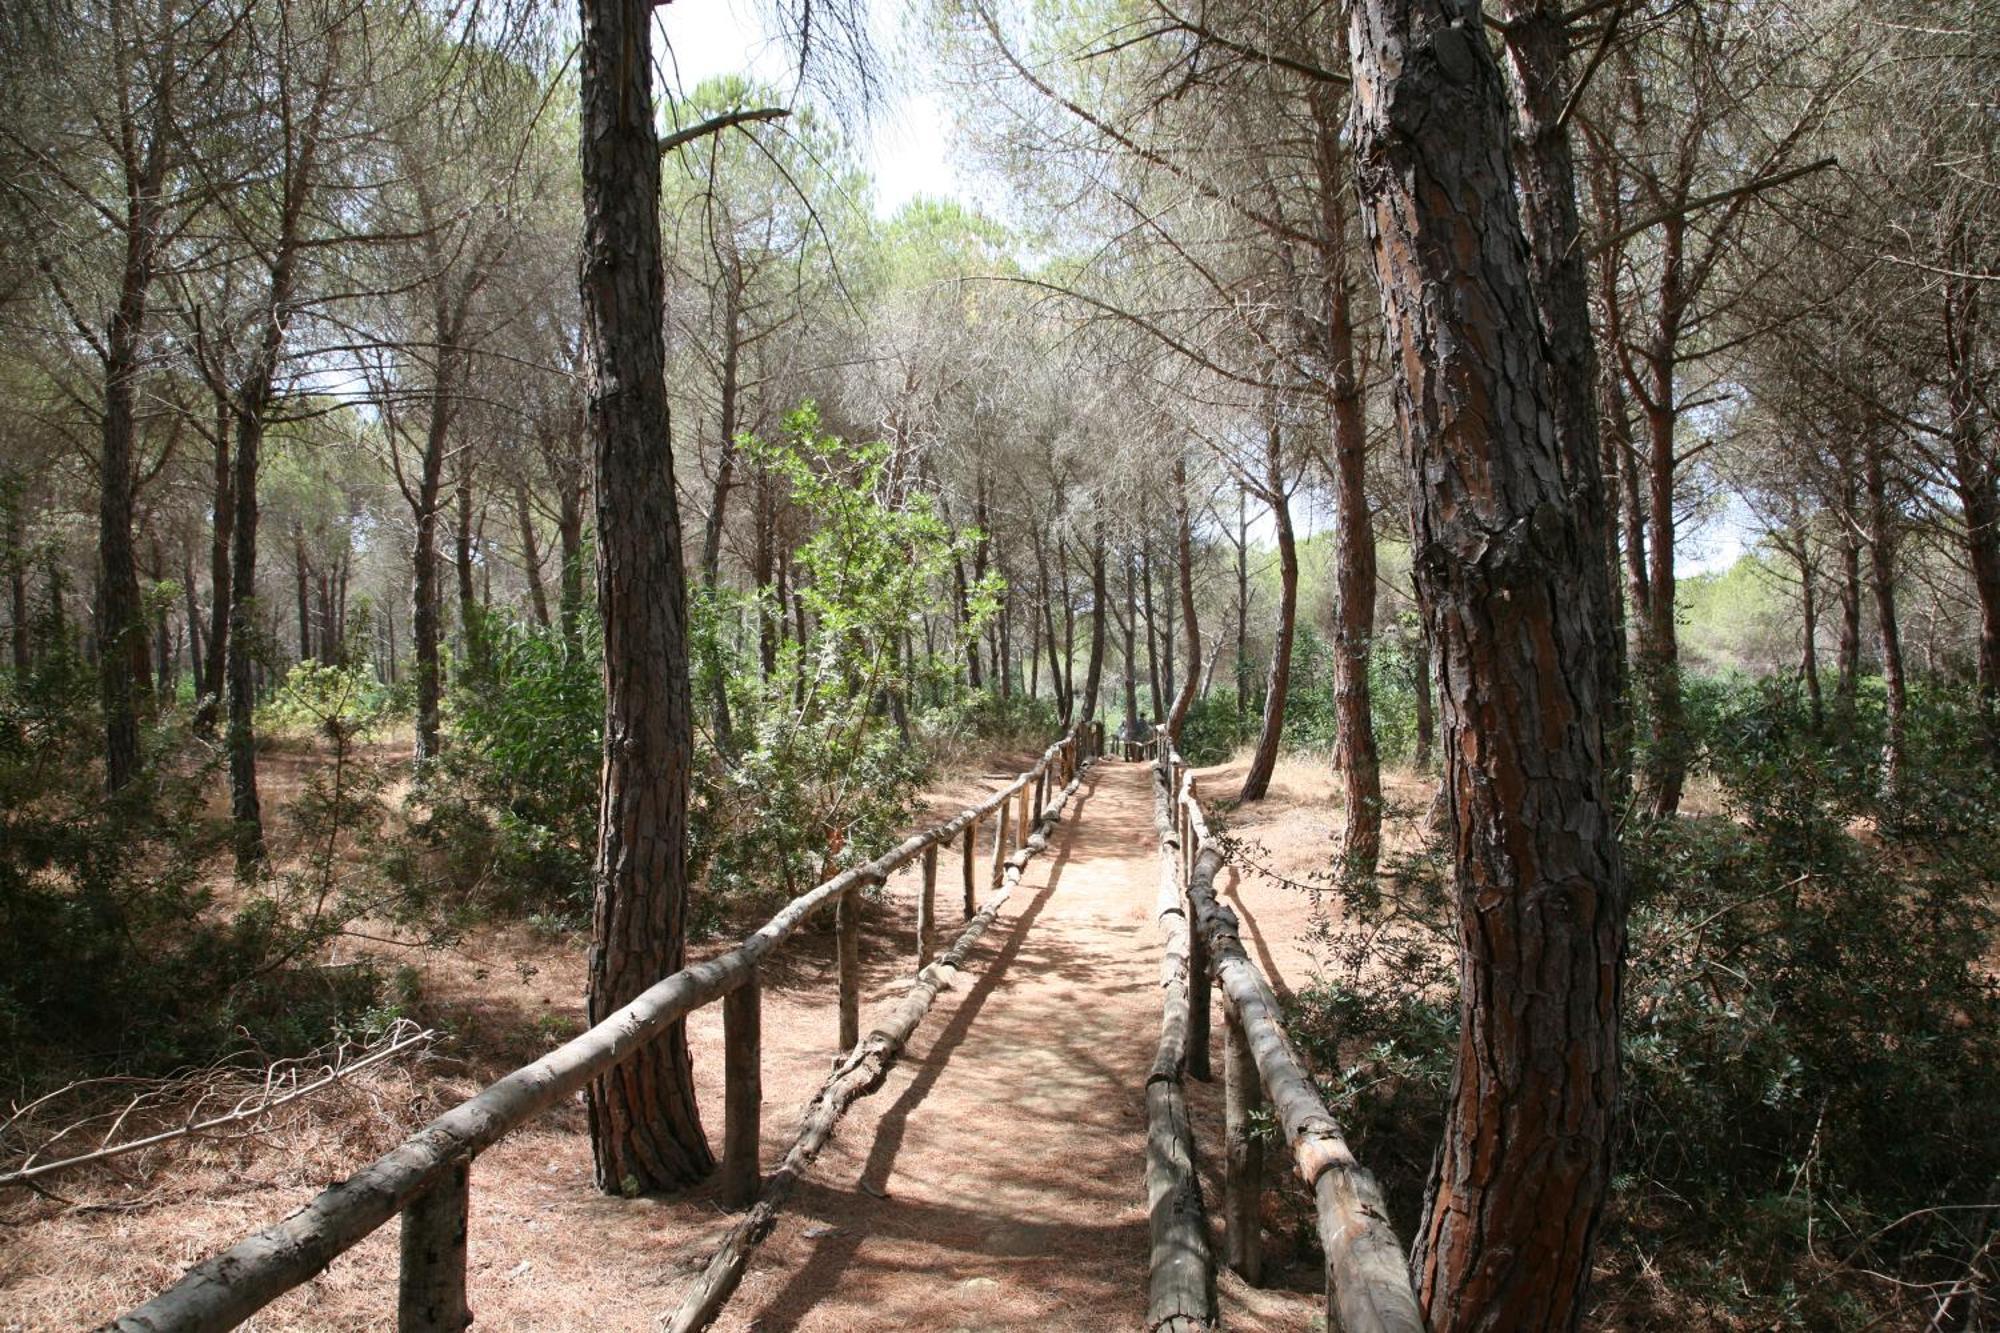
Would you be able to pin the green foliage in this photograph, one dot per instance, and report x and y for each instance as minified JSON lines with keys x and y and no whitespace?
{"x":1018,"y":719}
{"x":508,"y":821}
{"x":821,"y":766}
{"x":1812,"y":1027}
{"x":1215,"y":727}
{"x":115,"y":955}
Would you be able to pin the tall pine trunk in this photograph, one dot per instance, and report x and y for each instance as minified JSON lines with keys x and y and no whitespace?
{"x":1355,"y":755}
{"x":645,"y":1129}
{"x":1503,"y":557}
{"x":1093,"y":674}
{"x":1277,"y":684}
{"x":1889,"y":638}
{"x":1190,"y":625}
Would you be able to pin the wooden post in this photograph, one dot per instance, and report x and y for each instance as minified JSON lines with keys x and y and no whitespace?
{"x":971,"y":856}
{"x":1199,"y":987}
{"x":1002,"y":817}
{"x":743,"y":1093}
{"x":431,"y":1290}
{"x":847,"y":925}
{"x":1243,"y":1151}
{"x":927,"y":908}
{"x":1041,"y":796}
{"x":1021,"y":814}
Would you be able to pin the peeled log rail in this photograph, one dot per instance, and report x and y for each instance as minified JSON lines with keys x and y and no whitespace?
{"x":1367,"y":1272}
{"x":1181,"y":1282}
{"x":860,"y":1074}
{"x":223,"y":1291}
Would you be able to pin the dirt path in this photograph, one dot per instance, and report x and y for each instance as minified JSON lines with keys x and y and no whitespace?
{"x":996,"y":1181}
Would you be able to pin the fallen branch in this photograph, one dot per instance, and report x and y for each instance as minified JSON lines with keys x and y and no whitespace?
{"x":404,"y":1036}
{"x":863,"y":1071}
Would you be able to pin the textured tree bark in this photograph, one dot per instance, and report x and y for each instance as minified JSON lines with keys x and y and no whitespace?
{"x":120,"y":616}
{"x":190,"y":611}
{"x":531,"y":556}
{"x":645,"y":1129}
{"x":1536,"y":44}
{"x":1094,"y":673}
{"x":1190,"y":626}
{"x":471,"y":616}
{"x":1065,"y":703}
{"x":1277,"y":684}
{"x":222,"y":517}
{"x":1355,"y":755}
{"x":1809,"y":649}
{"x":1976,"y":481}
{"x":424,"y":627}
{"x":1158,"y":707}
{"x":1128,"y":628}
{"x":569,"y":540}
{"x":1242,"y":604}
{"x":1503,"y":556}
{"x":302,"y":591}
{"x":245,"y":810}
{"x":1889,"y":638}
{"x":1848,"y":677}
{"x":1243,"y":1153}
{"x":743,"y":1093}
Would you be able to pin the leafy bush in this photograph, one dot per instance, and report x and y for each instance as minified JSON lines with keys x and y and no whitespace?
{"x":1214,"y":728}
{"x":510,"y":818}
{"x":821,"y":765}
{"x":1811,"y":1039}
{"x":115,"y":955}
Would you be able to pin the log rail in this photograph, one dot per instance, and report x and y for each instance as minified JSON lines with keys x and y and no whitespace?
{"x":426,"y":1178}
{"x":1367,"y":1271}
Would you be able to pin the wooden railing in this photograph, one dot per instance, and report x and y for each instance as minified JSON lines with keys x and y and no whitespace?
{"x":1367,"y":1272}
{"x":426,"y":1178}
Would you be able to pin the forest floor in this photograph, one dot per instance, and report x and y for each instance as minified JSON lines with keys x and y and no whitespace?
{"x":995,"y":1181}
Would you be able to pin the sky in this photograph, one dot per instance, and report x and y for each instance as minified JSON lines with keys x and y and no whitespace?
{"x":907,"y":148}
{"x":906,"y":142}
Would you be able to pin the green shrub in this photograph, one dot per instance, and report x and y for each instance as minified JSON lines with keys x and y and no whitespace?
{"x":1214,"y":729}
{"x":115,"y":956}
{"x":510,"y":818}
{"x":1811,"y":1035}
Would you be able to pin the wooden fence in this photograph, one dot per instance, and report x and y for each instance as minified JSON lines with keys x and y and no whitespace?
{"x":1367,"y":1272}
{"x":427,"y":1178}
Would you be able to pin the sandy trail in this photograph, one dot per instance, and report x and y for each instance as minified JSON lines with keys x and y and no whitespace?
{"x":996,"y":1181}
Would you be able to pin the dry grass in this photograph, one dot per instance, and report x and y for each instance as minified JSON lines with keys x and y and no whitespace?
{"x":995,"y":1180}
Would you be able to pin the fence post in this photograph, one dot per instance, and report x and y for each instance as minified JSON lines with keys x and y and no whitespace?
{"x":1199,"y":987}
{"x":1021,"y":814}
{"x":847,"y":924}
{"x":1243,"y":1171}
{"x":1002,"y":817}
{"x":743,"y":1092}
{"x":430,"y":1294}
{"x":927,"y":908}
{"x":971,"y":856}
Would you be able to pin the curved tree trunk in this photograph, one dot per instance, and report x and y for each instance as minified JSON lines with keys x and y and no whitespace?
{"x":1277,"y":684}
{"x":645,"y":1130}
{"x":1503,"y":557}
